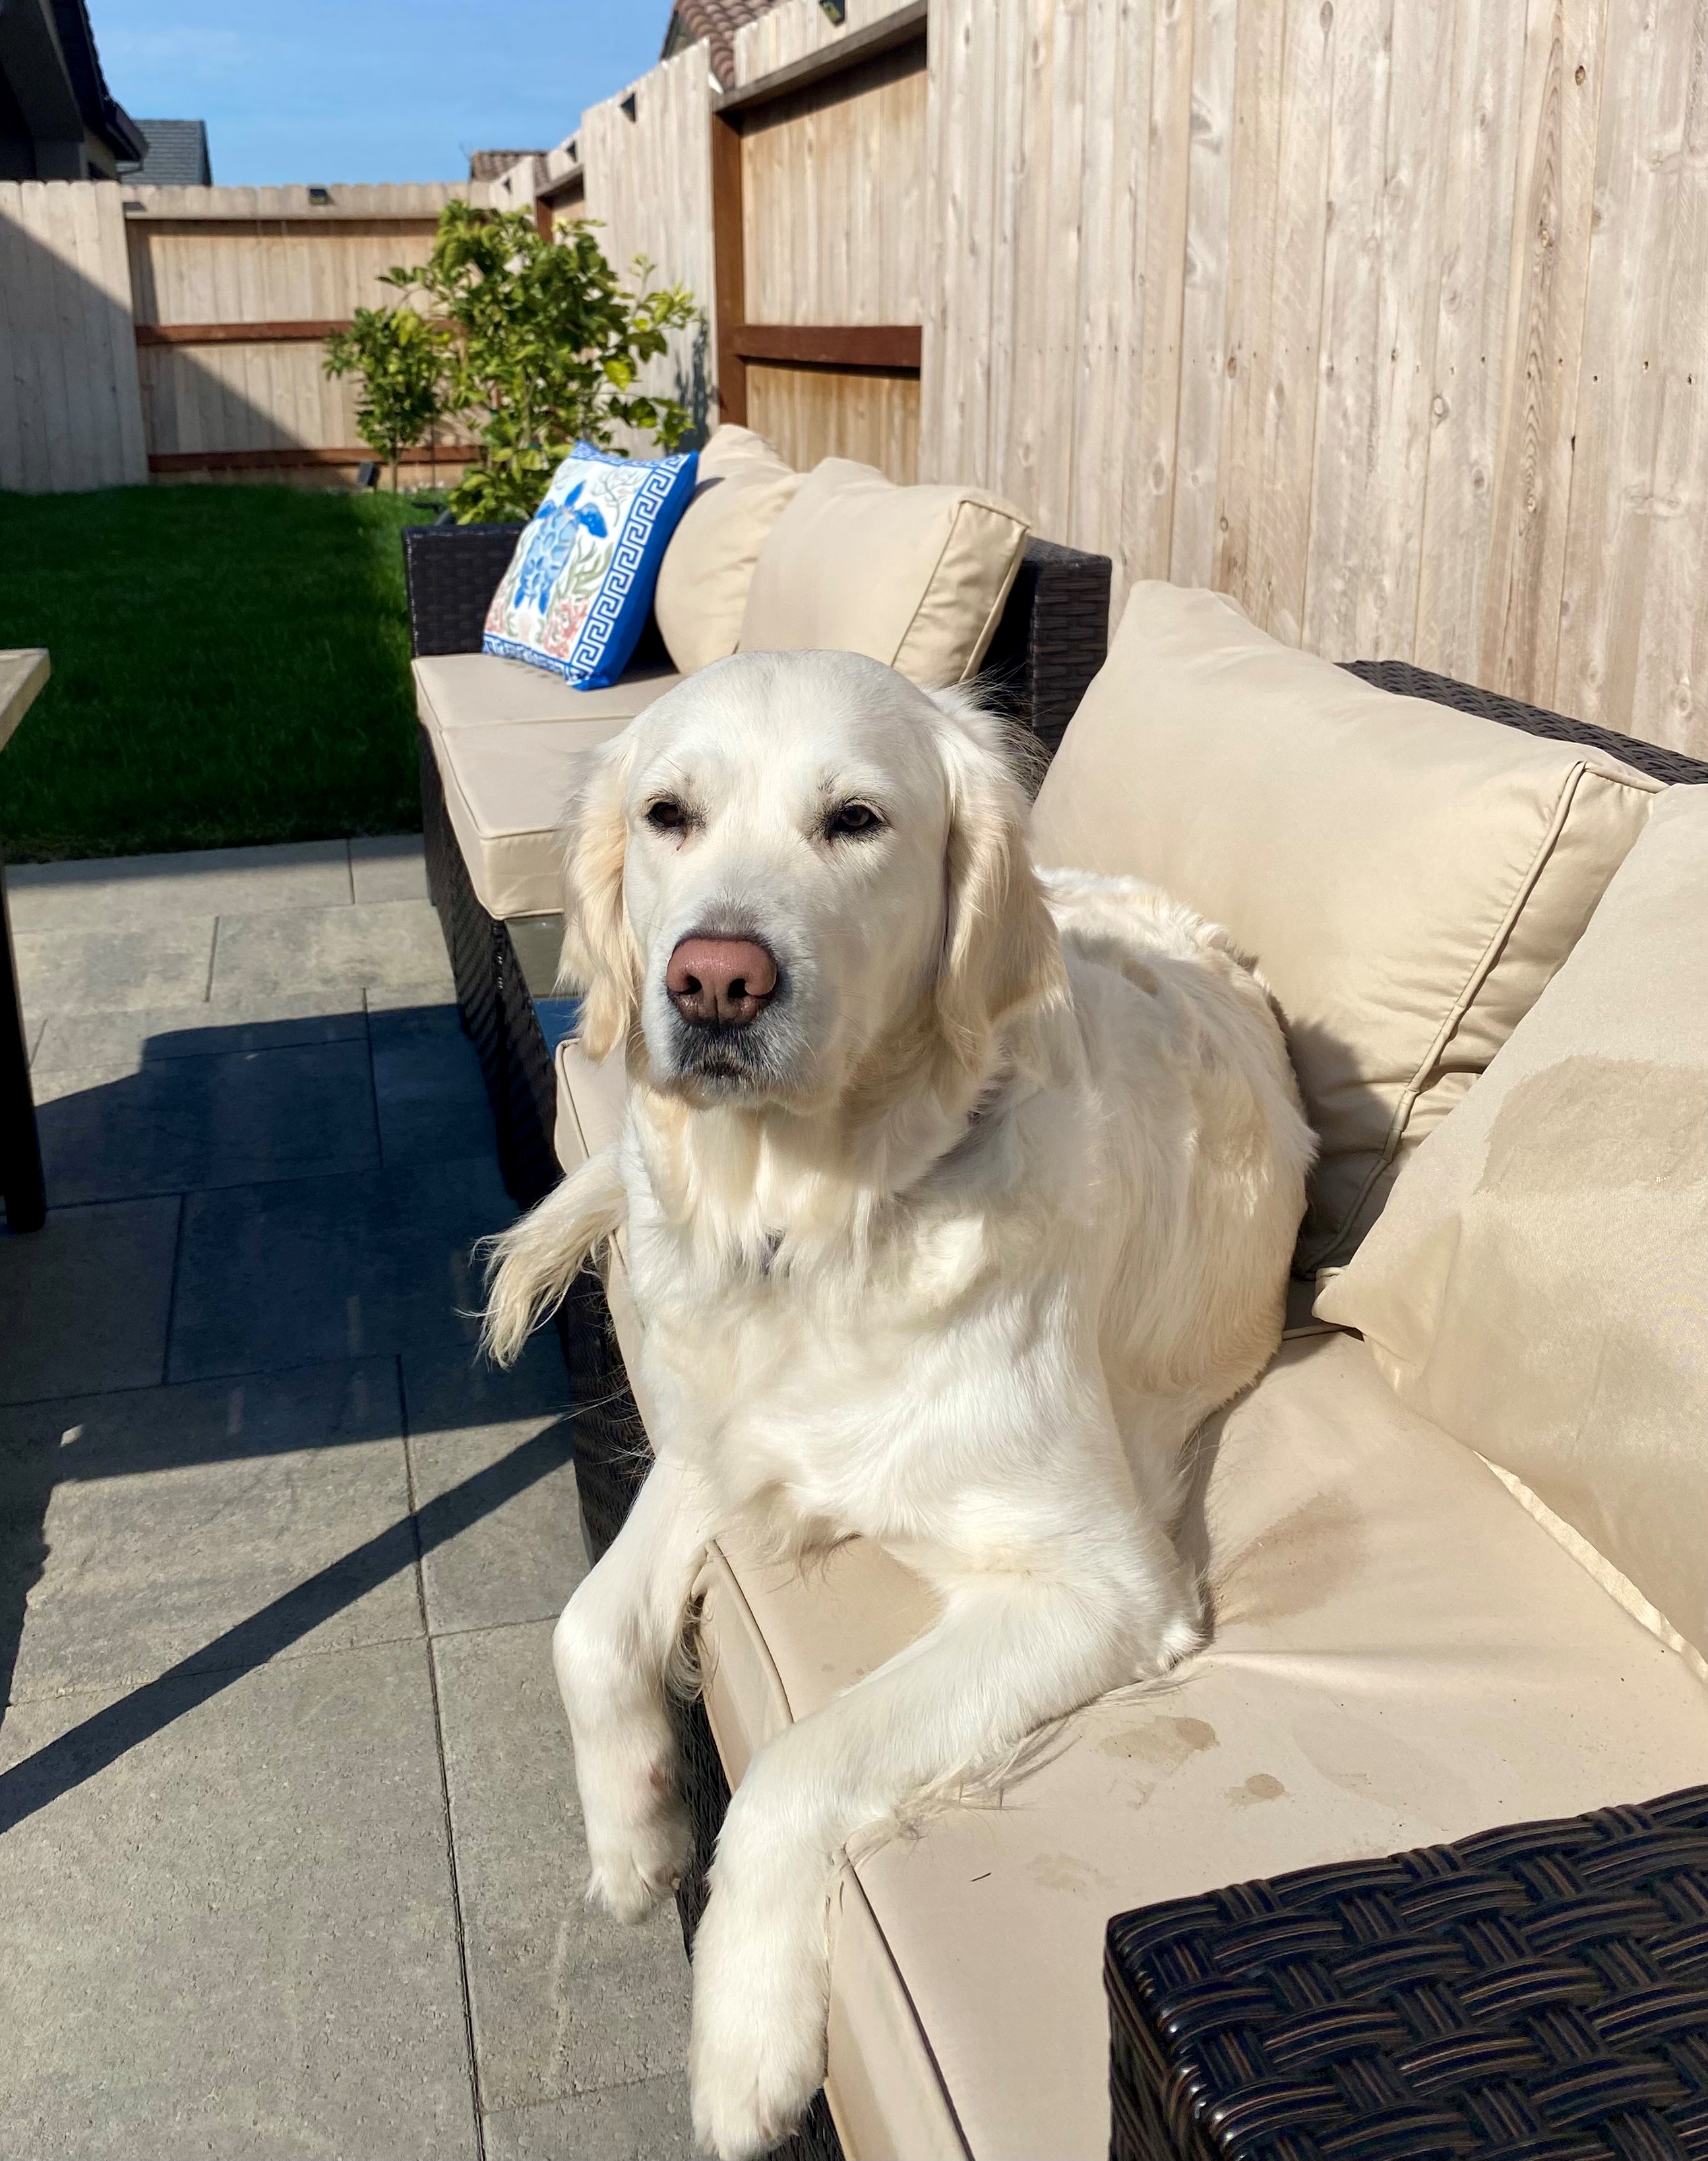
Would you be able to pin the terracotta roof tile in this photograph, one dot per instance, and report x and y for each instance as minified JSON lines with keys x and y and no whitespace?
{"x":716,"y":21}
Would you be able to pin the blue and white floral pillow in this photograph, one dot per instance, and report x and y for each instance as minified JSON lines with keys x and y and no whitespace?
{"x":576,"y":595}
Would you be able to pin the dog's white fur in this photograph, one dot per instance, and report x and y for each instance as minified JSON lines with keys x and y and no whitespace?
{"x":996,"y":1205}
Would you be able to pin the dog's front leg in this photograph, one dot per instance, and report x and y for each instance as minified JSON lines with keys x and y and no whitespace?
{"x":611,"y":1648}
{"x":1011,"y":1654}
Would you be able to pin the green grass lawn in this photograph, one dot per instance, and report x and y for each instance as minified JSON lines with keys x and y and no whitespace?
{"x":230,"y":664}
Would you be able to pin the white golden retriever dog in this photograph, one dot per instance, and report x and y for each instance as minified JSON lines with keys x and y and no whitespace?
{"x":955,"y":1195}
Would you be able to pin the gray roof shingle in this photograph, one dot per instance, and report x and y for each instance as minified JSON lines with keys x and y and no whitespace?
{"x":176,"y":156}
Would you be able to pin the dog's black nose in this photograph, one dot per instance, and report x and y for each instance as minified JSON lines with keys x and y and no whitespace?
{"x":721,"y":982}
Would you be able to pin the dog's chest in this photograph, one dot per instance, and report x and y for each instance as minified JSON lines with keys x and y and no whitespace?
{"x":821,"y":1402}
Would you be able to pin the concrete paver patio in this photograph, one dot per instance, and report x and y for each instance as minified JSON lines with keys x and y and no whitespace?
{"x":291,"y":1860}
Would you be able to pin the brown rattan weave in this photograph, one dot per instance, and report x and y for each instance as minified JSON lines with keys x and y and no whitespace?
{"x":1050,"y":641}
{"x":1538,"y":1991}
{"x":452,"y":572}
{"x":1400,"y":677}
{"x":497,"y":1012}
{"x":470,"y":933}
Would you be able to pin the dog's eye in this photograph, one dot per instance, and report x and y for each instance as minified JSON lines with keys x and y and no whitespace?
{"x":852,"y":820}
{"x":667,"y":816}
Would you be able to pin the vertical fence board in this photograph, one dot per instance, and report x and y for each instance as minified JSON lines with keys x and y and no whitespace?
{"x":1668,"y":697}
{"x":1631,"y":641}
{"x":1384,"y":623}
{"x":1548,"y":289}
{"x":1157,"y":59}
{"x":1349,"y":363}
{"x":1204,"y":353}
{"x":1483,"y":104}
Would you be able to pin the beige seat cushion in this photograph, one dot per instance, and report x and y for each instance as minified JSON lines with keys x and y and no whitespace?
{"x":1408,"y":877}
{"x":1539,"y":1283}
{"x":744,"y":488}
{"x":590,"y":1103}
{"x":1401,"y":1655}
{"x":915,"y":576}
{"x":475,"y":690}
{"x":508,"y":785}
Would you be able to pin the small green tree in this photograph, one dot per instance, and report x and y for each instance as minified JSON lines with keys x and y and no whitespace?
{"x":536,"y":344}
{"x":402,"y":360}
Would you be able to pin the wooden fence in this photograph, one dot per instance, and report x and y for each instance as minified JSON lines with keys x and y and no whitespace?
{"x":179,"y":332}
{"x":1389,"y":317}
{"x":1390,"y":320}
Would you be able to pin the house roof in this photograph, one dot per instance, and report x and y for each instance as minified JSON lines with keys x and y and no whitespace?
{"x":103,"y":116}
{"x":175,"y":157}
{"x":716,"y":21}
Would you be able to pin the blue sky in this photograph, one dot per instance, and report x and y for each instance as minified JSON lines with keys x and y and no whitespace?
{"x":318,"y":91}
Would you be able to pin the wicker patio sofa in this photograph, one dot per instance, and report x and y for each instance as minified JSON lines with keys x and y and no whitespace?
{"x":1525,"y":1980}
{"x":1531,"y":1980}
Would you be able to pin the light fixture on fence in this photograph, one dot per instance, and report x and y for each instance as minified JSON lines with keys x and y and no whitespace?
{"x":626,"y":106}
{"x":838,"y":10}
{"x":320,"y":197}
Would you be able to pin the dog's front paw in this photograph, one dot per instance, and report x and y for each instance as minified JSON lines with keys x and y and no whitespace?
{"x":756,"y":2057}
{"x":636,"y":1866}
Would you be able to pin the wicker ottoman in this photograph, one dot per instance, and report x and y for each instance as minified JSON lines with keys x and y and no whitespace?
{"x":1538,"y":1991}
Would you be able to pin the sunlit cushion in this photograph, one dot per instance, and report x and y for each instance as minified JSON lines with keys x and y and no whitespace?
{"x":1407,"y":878}
{"x":915,"y":577}
{"x":1538,"y":1282}
{"x":744,"y":488}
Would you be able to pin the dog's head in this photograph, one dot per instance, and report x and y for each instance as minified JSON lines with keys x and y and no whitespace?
{"x":795,"y":866}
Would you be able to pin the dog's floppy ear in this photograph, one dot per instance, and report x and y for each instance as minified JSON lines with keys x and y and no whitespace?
{"x":1001,"y":953}
{"x":599,"y":957}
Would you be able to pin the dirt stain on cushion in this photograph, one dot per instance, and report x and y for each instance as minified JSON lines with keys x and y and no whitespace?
{"x":1163,"y":1742}
{"x":1066,"y":1872}
{"x":1294,"y":1566}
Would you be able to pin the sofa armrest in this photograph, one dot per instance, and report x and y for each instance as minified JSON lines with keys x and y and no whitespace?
{"x":451,"y":573}
{"x":1052,"y":639}
{"x":1406,"y":682}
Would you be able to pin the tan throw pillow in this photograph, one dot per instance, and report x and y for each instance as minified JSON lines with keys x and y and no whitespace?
{"x":729,"y":449}
{"x":915,"y":576}
{"x":1539,"y":1283}
{"x":1408,"y":877}
{"x":744,"y":487}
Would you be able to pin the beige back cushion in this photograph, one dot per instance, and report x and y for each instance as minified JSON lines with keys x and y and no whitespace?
{"x":1407,"y":878}
{"x":1539,"y":1284}
{"x":915,"y":576}
{"x":743,"y":489}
